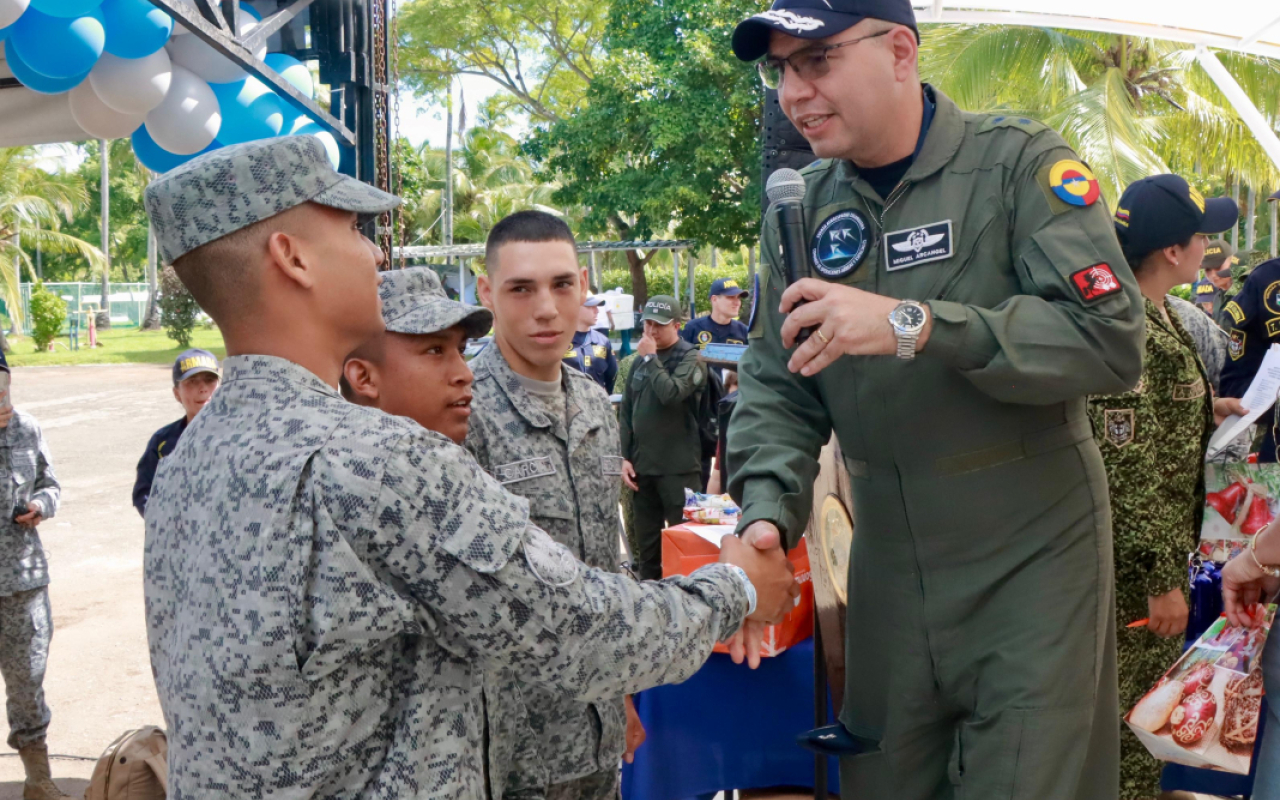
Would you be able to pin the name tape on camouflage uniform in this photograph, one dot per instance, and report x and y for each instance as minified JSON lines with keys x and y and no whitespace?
{"x":1188,"y":391}
{"x":518,"y":471}
{"x":611,"y":465}
{"x":1095,"y":282}
{"x":920,"y":245}
{"x":840,"y":244}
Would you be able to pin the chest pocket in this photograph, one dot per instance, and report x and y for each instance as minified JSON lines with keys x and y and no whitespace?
{"x":22,"y":464}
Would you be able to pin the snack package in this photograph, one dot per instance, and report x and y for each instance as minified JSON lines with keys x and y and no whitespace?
{"x":710,"y":509}
{"x":1204,"y":711}
{"x":1240,"y":500}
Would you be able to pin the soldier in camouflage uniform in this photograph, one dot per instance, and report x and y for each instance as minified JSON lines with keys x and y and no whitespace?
{"x":325,"y":584}
{"x":1153,"y":440}
{"x":1211,"y":344}
{"x":26,"y":622}
{"x":554,"y":442}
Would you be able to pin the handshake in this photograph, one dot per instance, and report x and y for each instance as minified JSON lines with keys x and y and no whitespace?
{"x":759,"y":553}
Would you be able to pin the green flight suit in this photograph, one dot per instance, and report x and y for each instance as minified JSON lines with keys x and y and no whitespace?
{"x":980,"y":642}
{"x":658,"y":423}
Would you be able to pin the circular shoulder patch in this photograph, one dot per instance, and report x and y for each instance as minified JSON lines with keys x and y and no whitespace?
{"x":840,"y":244}
{"x":550,"y":561}
{"x":1074,"y":183}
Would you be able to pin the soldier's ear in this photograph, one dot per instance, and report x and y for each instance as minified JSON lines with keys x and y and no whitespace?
{"x":361,"y":377}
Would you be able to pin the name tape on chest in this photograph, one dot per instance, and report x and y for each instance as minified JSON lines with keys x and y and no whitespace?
{"x":611,"y":465}
{"x":913,"y":246}
{"x":525,"y":470}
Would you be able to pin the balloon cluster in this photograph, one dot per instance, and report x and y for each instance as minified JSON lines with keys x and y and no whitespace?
{"x":149,"y":78}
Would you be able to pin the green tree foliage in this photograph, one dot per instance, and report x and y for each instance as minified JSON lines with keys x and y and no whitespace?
{"x":48,"y":313}
{"x":178,"y":309}
{"x":34,"y":207}
{"x":1131,"y":107}
{"x":543,"y":54}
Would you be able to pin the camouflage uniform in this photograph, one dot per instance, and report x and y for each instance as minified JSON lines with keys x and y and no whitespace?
{"x":26,"y":624}
{"x":570,"y":475}
{"x":1153,"y":442}
{"x":326,"y":584}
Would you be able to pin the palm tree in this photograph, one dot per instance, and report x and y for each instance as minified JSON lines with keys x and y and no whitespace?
{"x":33,"y":206}
{"x":1131,"y":107}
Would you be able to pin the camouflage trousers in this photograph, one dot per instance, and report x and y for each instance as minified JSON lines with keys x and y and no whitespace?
{"x":1142,"y":658}
{"x":598,"y":786}
{"x":26,"y":627}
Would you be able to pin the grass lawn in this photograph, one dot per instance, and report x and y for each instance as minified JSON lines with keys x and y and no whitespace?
{"x":116,"y":346}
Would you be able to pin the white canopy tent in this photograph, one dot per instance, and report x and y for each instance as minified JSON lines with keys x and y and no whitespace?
{"x":1247,"y":26}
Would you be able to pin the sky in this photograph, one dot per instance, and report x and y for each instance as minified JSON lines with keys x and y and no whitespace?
{"x":420,"y":121}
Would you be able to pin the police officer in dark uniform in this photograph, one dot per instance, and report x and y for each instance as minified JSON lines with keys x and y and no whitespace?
{"x":195,"y":377}
{"x":721,"y":326}
{"x":591,"y":351}
{"x":1214,"y":289}
{"x":1252,"y":319}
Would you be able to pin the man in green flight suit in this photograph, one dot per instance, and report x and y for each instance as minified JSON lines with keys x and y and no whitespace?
{"x":980,"y":642}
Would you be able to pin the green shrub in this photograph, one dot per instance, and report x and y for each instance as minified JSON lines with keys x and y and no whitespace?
{"x":178,"y":309}
{"x":1183,"y":291}
{"x":48,"y":312}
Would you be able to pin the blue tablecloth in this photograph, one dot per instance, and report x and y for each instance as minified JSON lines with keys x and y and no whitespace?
{"x":727,"y":727}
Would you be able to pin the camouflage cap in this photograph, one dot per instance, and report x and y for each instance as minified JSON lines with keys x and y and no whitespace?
{"x":413,"y":301}
{"x":233,"y":187}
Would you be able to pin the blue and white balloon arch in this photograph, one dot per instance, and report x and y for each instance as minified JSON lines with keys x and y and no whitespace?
{"x":128,"y":70}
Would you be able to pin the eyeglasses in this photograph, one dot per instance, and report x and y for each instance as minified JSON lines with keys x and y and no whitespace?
{"x":810,"y":63}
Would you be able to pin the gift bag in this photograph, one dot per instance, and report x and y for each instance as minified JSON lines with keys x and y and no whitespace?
{"x":1204,"y":711}
{"x":1240,"y":500}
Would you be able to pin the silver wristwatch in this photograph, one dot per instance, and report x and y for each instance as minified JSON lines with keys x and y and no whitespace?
{"x":908,"y":319}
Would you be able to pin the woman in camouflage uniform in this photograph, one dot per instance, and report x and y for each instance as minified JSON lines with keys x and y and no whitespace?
{"x":1153,"y":441}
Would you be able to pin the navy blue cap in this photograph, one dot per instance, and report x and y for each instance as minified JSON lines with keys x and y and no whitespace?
{"x":727,"y":286}
{"x":193,"y":362}
{"x":1164,"y":210}
{"x":814,"y":19}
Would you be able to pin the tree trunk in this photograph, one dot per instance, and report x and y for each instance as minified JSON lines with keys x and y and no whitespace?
{"x":104,"y":316}
{"x":639,"y":285}
{"x":151,"y":322}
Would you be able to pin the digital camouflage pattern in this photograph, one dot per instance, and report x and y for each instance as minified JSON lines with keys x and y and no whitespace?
{"x":234,"y":187}
{"x":571,"y":481}
{"x":26,"y":628}
{"x":973,"y":467}
{"x":326,"y":583}
{"x":415,"y":302}
{"x":1153,"y":441}
{"x":1211,"y":345}
{"x":23,"y":564}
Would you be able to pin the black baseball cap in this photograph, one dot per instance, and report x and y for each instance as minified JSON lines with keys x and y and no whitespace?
{"x":193,"y":362}
{"x":727,"y":286}
{"x":815,"y":19}
{"x":1164,"y":210}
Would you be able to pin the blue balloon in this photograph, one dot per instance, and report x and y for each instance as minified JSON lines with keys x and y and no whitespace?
{"x":65,"y":8}
{"x":4,"y":32}
{"x":251,"y":11}
{"x":250,"y":111}
{"x":293,"y":71}
{"x":156,"y":158}
{"x":59,"y":47}
{"x":34,"y":80}
{"x":135,"y":28}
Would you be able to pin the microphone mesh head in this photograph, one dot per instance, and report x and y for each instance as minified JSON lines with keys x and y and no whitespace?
{"x":785,"y":184}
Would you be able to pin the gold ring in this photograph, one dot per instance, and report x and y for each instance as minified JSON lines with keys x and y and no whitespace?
{"x":824,"y":339}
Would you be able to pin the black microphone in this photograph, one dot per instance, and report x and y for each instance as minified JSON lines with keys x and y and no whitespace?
{"x":786,"y":195}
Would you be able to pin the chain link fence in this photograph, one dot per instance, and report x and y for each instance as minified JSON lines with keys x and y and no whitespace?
{"x":128,"y":302}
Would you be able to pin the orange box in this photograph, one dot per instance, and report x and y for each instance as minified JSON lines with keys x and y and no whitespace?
{"x":683,"y":551}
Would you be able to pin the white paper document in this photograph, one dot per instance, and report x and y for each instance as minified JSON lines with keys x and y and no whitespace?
{"x":1259,"y":399}
{"x":712,"y":533}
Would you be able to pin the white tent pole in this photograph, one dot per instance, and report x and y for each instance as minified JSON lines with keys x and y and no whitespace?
{"x":1240,"y":101}
{"x":1274,"y":233}
{"x":1250,"y":224}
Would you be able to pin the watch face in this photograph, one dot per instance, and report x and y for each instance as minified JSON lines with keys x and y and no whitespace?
{"x":908,"y":317}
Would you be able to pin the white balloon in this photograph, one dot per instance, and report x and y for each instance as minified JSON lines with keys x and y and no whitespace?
{"x":203,"y":60}
{"x":132,"y":85}
{"x":98,"y":119}
{"x":189,"y":118}
{"x":10,"y":10}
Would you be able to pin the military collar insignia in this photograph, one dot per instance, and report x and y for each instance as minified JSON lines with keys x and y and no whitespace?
{"x":840,"y":244}
{"x":919,"y":245}
{"x":1120,"y":426}
{"x":1095,"y":282}
{"x":1074,"y":184}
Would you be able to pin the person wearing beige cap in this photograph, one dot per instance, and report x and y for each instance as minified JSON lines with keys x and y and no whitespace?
{"x":422,"y":347}
{"x":326,"y":584}
{"x":1212,"y":292}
